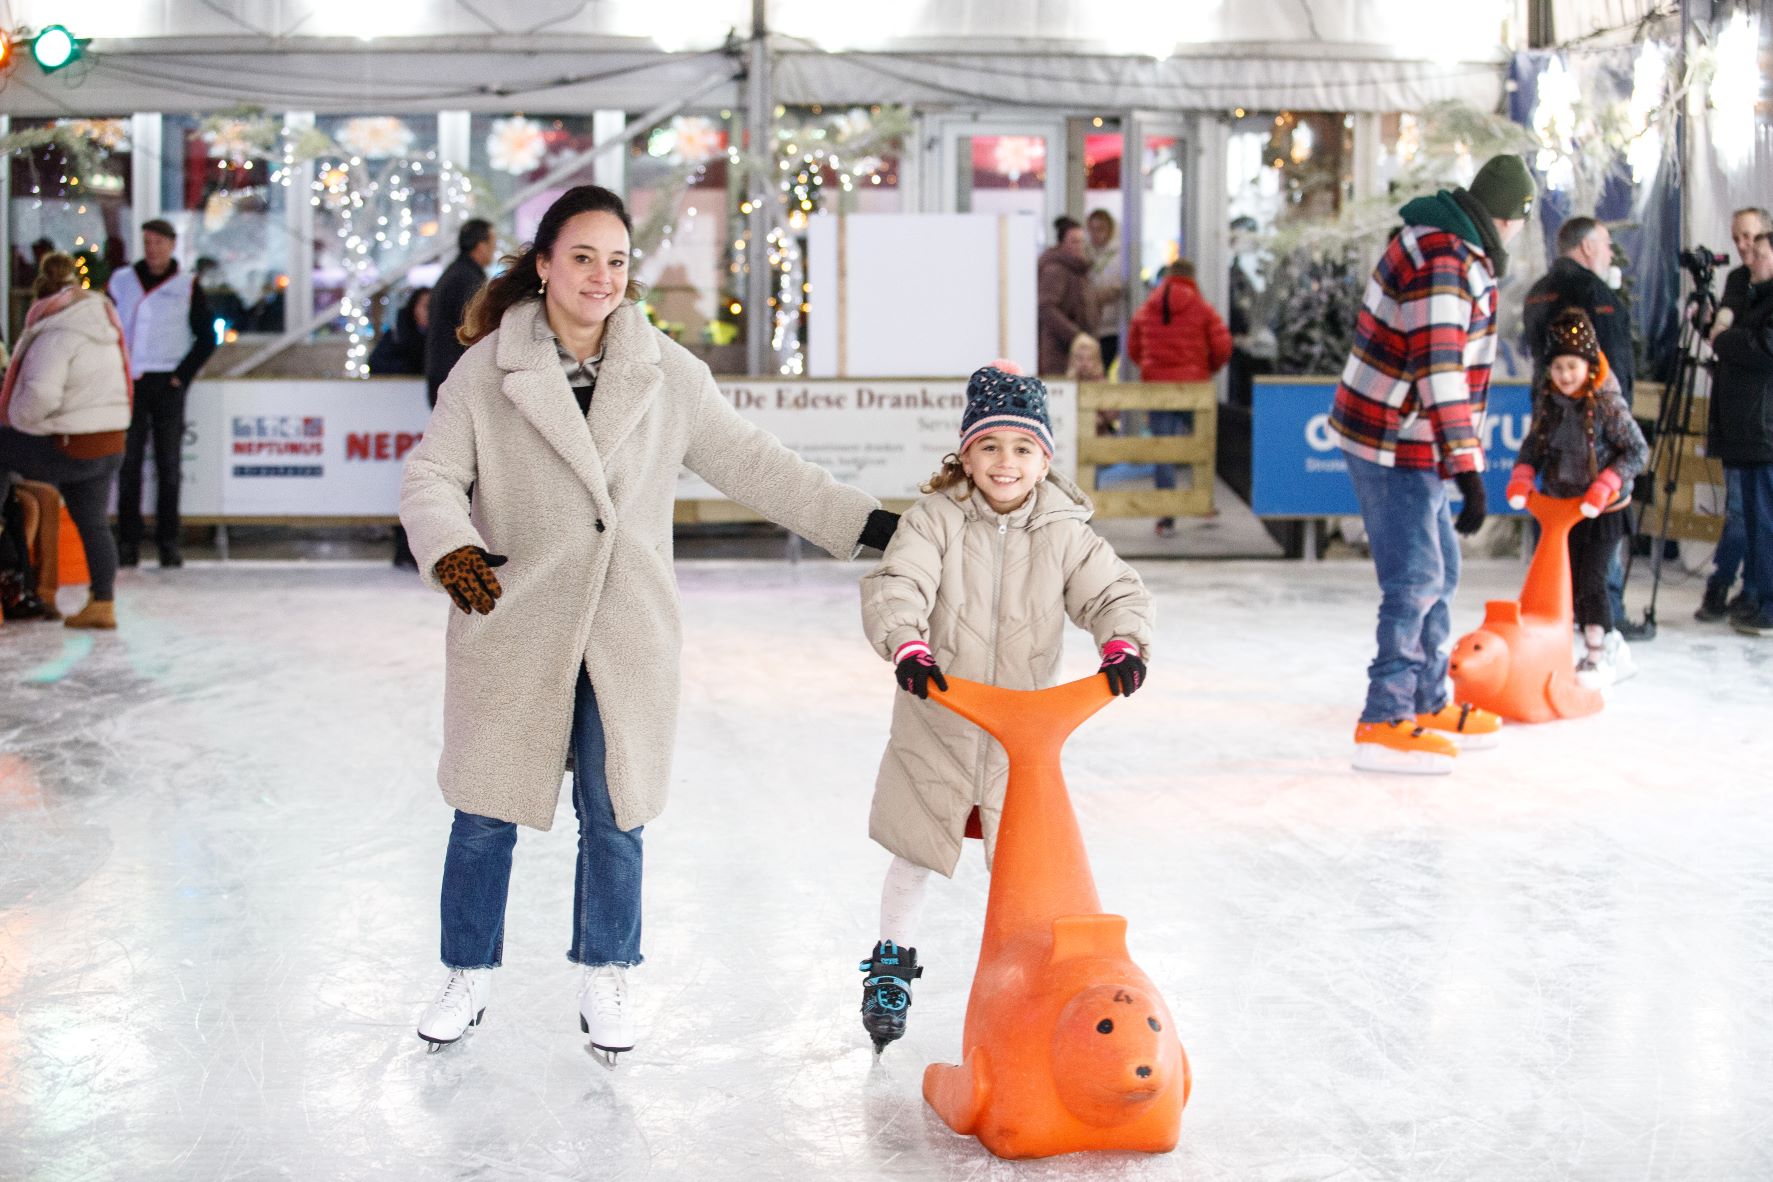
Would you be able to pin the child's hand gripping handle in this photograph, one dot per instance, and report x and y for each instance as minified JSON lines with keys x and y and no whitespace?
{"x":915,"y":668}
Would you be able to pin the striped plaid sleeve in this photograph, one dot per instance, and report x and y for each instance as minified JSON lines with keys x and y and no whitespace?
{"x":1435,"y":309}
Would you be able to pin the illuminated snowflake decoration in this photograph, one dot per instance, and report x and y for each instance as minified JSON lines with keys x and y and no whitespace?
{"x":516,"y":145}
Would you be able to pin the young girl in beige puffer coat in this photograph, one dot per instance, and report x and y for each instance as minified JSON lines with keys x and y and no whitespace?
{"x":978,"y":581}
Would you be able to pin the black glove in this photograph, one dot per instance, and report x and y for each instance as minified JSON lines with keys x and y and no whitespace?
{"x":1124,"y":666}
{"x":879,"y":531}
{"x":917,"y":668}
{"x":1471,"y":514}
{"x":466,"y":573}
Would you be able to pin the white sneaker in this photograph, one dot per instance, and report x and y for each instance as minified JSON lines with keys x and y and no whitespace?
{"x":1595,"y":675}
{"x":604,"y":1010}
{"x":461,"y":1004}
{"x":1619,"y":656}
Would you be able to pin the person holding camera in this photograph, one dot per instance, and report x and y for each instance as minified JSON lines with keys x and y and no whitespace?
{"x":1745,"y":224}
{"x":1409,"y":412}
{"x":1741,"y":435}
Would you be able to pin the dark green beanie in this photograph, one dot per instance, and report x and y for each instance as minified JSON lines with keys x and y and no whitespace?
{"x":1504,"y":187}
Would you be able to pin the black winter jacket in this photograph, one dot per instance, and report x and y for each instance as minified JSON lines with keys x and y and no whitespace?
{"x":1569,"y":284}
{"x":1742,"y":385}
{"x":449,"y":303}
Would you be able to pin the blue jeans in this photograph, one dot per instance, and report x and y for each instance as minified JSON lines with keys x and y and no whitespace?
{"x":1733,"y":545}
{"x":1168,"y":422}
{"x":1416,"y":555}
{"x":606,"y":886}
{"x":1616,"y":576}
{"x":1757,"y":523}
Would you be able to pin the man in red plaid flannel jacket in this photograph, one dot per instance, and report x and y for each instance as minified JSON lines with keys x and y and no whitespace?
{"x":1409,"y":412}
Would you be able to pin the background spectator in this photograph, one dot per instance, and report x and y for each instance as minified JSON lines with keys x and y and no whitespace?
{"x":1176,"y":336}
{"x":169,"y":334}
{"x":1742,"y":426}
{"x":458,"y":284}
{"x":402,"y":348}
{"x":1066,"y":306}
{"x":1108,"y":283}
{"x":1745,"y":226}
{"x":64,"y":410}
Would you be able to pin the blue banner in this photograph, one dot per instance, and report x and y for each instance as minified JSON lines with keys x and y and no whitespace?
{"x":1299,"y":471}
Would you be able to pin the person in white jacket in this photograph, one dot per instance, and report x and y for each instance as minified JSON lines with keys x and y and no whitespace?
{"x":169,"y":333}
{"x":64,"y":412}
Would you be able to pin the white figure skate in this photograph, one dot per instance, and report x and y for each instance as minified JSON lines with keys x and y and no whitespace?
{"x":461,"y":1004}
{"x":605,"y":1012}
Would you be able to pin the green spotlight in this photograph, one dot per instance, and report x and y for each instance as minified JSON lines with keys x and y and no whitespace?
{"x":54,"y":48}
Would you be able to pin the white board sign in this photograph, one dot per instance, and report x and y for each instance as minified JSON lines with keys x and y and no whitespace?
{"x":886,"y":437}
{"x":899,"y":295}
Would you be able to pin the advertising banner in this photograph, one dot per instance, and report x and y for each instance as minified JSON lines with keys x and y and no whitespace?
{"x":884,"y":437}
{"x":336,"y":448}
{"x":1299,"y":471}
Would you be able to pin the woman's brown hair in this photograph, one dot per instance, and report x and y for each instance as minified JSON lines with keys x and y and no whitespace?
{"x":520,"y":280}
{"x":56,"y":271}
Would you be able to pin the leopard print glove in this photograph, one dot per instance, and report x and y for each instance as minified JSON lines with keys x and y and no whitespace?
{"x":466,"y":573}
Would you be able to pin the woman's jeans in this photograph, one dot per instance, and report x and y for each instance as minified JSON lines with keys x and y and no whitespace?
{"x":85,"y":486}
{"x":1416,"y":555}
{"x":606,"y":886}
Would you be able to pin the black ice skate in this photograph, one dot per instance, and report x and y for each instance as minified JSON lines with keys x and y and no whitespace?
{"x":886,"y":994}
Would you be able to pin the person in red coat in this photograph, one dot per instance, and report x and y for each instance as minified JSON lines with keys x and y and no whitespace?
{"x":1176,"y":336}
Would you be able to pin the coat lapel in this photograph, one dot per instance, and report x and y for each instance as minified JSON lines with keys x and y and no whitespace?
{"x":627,"y":380}
{"x":536,"y":386}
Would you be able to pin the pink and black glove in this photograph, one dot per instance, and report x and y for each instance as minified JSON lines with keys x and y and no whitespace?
{"x":1520,"y":486}
{"x":1124,"y":666}
{"x":1600,"y":494}
{"x":916,"y":668}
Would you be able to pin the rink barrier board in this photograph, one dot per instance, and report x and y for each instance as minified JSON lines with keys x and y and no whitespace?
{"x":1195,"y":451}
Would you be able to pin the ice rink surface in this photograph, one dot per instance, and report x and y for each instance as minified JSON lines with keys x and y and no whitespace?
{"x":220,"y":845}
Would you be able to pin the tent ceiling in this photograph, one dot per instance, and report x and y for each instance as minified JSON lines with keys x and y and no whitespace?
{"x":570,"y":55}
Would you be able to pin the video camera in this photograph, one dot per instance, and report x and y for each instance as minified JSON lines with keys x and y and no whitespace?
{"x":1702,"y":265}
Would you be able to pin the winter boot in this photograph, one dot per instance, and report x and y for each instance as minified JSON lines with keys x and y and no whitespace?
{"x":1404,"y":747}
{"x":604,"y":1010}
{"x":1476,"y":729}
{"x":461,"y":1004}
{"x":1715,"y":605}
{"x":886,"y":993}
{"x":98,"y":613}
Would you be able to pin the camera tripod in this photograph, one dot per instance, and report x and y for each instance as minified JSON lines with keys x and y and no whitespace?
{"x":1674,"y":420}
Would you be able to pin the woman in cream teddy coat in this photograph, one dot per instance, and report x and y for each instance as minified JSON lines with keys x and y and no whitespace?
{"x":553,"y":454}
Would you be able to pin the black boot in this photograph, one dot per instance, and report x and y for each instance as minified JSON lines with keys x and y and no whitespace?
{"x":886,"y":994}
{"x":1715,"y":605}
{"x":170,"y":558}
{"x":129,"y":554}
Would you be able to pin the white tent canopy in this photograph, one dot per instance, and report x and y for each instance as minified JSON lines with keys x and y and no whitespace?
{"x":339,"y":55}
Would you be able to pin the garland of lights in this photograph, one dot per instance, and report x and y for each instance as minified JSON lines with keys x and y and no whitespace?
{"x":365,"y":178}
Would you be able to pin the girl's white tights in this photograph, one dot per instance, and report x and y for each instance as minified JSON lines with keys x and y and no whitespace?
{"x":1595,"y":637}
{"x":901,"y":901}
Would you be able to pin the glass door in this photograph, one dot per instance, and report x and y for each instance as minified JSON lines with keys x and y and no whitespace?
{"x":998,"y":165}
{"x":1160,"y":206}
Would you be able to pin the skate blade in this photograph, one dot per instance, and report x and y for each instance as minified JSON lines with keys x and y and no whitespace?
{"x":1371,"y":757}
{"x":437,"y":1044}
{"x":1486,"y":742}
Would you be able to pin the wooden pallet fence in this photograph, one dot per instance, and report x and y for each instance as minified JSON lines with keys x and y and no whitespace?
{"x":1193,"y":451}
